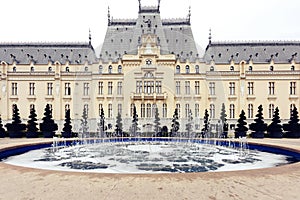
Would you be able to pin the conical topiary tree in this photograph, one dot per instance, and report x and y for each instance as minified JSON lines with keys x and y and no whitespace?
{"x":241,"y":130}
{"x":175,"y":124}
{"x":223,"y":120}
{"x":84,"y":121}
{"x":101,"y":124}
{"x":119,"y":126}
{"x":259,"y":127}
{"x":292,"y":128}
{"x":67,"y":129}
{"x":48,"y":126}
{"x":16,"y":129}
{"x":204,"y":131}
{"x":157,"y":127}
{"x":275,"y":128}
{"x":189,"y":125}
{"x":134,"y":125}
{"x":2,"y":130}
{"x":32,"y":130}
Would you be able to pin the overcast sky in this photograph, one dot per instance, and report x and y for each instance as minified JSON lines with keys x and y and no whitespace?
{"x":67,"y":20}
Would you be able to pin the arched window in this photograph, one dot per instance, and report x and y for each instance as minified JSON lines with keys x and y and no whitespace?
{"x":49,"y":69}
{"x":231,"y":68}
{"x":271,"y":68}
{"x":165,"y":109}
{"x":231,"y":111}
{"x":212,"y":68}
{"x":271,"y":111}
{"x":100,"y":69}
{"x":67,"y":69}
{"x":177,"y":69}
{"x":212,"y":111}
{"x":86,"y":68}
{"x":250,"y":111}
{"x":292,"y":68}
{"x":109,"y":69}
{"x":31,"y":69}
{"x":197,"y":70}
{"x":14,"y":69}
{"x":250,"y":68}
{"x":187,"y":69}
{"x":120,"y":69}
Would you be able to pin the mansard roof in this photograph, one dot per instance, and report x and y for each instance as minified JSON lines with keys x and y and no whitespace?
{"x":43,"y":53}
{"x":257,"y":51}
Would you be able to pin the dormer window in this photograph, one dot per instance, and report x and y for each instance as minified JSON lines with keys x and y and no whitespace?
{"x":31,"y":69}
{"x":292,"y":68}
{"x":250,"y":68}
{"x":86,"y":68}
{"x":271,"y":68}
{"x":187,"y":69}
{"x":14,"y":69}
{"x":212,"y":68}
{"x":197,"y":69}
{"x":231,"y":68}
{"x":177,"y":69}
{"x":49,"y":69}
{"x":110,"y":69}
{"x":100,"y":69}
{"x":67,"y":69}
{"x":120,"y":69}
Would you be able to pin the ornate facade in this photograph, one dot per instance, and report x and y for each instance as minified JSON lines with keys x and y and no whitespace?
{"x":151,"y":63}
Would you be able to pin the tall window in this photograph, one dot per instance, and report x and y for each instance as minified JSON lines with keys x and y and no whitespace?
{"x":197,"y":69}
{"x":86,"y":89}
{"x":109,"y":69}
{"x":110,"y":87}
{"x":86,"y":108}
{"x":292,"y":106}
{"x":231,"y":111}
{"x":100,"y":87}
{"x":165,"y":110}
{"x":197,"y":87}
{"x":31,"y":88}
{"x":14,"y":87}
{"x":187,"y":69}
{"x":148,"y":110}
{"x":110,"y":110}
{"x":119,"y":89}
{"x":250,"y":88}
{"x":120,"y":109}
{"x":187,"y":87}
{"x":232,"y":88}
{"x":292,"y":88}
{"x":212,"y":88}
{"x":154,"y":106}
{"x":271,"y":110}
{"x":271,"y":88}
{"x":197,"y":110}
{"x":131,"y":109}
{"x":158,"y":87}
{"x":120,"y":69}
{"x":250,"y":111}
{"x":139,"y":87}
{"x":187,"y":110}
{"x":177,"y":69}
{"x":100,"y":108}
{"x":67,"y":88}
{"x":177,"y":87}
{"x":178,"y":109}
{"x":212,"y":111}
{"x":67,"y":107}
{"x":142,"y":110}
{"x":49,"y":88}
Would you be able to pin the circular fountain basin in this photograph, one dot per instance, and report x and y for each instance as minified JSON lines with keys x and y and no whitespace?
{"x":148,"y":155}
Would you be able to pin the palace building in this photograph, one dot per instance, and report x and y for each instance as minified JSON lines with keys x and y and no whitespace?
{"x":150,"y":63}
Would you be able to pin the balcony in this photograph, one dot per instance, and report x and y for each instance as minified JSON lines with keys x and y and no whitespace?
{"x":146,"y":96}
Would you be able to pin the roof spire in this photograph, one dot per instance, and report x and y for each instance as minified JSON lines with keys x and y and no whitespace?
{"x":140,"y":6}
{"x":108,"y":15}
{"x":189,"y":15}
{"x":90,"y":37}
{"x":209,"y":36}
{"x":158,"y":6}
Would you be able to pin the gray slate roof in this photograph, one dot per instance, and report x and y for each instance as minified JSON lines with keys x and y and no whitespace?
{"x":259,"y":52}
{"x":42,"y":53}
{"x":174,"y":36}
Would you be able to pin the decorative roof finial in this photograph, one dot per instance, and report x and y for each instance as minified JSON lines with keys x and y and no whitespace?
{"x":90,"y":37}
{"x":158,"y":6}
{"x":140,"y":6}
{"x":209,"y":36}
{"x":189,"y":15}
{"x":108,"y":16}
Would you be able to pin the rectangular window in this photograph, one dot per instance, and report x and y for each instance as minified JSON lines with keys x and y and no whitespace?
{"x":49,"y":88}
{"x":232,"y":88}
{"x":31,"y":88}
{"x":197,"y":87}
{"x":292,"y":88}
{"x":197,"y":110}
{"x":165,"y":110}
{"x":231,"y":111}
{"x":142,"y":110}
{"x":139,"y":87}
{"x":271,"y":88}
{"x":14,"y":87}
{"x":67,"y":89}
{"x":212,"y":88}
{"x":109,"y":110}
{"x":178,"y":109}
{"x":86,"y":89}
{"x":250,"y":88}
{"x":187,"y":87}
{"x":178,"y":87}
{"x":100,"y":88}
{"x":120,"y":109}
{"x":271,"y":110}
{"x":119,"y":90}
{"x":100,"y":108}
{"x":110,"y":87}
{"x":158,"y":87}
{"x":187,"y":110}
{"x":250,"y":111}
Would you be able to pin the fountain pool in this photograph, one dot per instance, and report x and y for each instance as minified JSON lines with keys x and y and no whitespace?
{"x":150,"y":155}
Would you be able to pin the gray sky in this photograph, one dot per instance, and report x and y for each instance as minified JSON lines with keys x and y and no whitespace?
{"x":67,"y":20}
